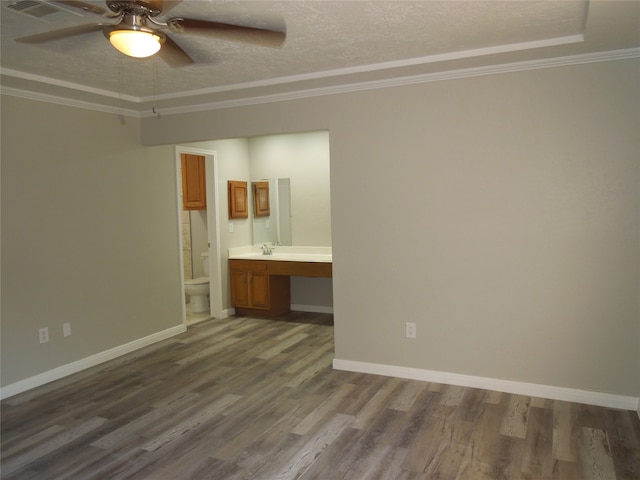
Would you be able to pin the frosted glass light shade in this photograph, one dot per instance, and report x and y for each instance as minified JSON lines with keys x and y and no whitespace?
{"x":135,"y":43}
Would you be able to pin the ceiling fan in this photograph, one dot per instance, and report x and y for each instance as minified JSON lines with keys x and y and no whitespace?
{"x":138,"y":34}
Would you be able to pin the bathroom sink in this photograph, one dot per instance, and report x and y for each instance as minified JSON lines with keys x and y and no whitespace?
{"x":299,"y":257}
{"x":284,"y":254}
{"x":286,"y":257}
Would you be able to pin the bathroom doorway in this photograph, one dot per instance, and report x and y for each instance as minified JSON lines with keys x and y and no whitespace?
{"x":213,"y":227}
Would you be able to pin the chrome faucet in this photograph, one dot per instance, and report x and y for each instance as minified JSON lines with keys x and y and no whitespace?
{"x":266,"y":250}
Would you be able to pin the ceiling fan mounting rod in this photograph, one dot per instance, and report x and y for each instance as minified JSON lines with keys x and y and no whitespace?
{"x":134,"y":22}
{"x":140,"y":8}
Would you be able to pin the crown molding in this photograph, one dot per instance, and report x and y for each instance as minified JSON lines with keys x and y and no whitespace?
{"x":409,"y":62}
{"x":202,"y":105}
{"x":409,"y":80}
{"x":395,"y":64}
{"x":9,"y":72}
{"x":67,"y":102}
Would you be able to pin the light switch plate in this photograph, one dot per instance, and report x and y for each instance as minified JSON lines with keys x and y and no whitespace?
{"x":43,"y":335}
{"x":411,"y":330}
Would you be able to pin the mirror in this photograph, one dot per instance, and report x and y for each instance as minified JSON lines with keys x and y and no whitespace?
{"x":275,"y":227}
{"x":297,"y":168}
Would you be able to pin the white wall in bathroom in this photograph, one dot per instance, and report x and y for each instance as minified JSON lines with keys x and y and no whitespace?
{"x":304,"y":158}
{"x":199,"y":240}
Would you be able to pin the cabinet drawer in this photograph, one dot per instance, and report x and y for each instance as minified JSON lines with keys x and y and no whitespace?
{"x":249,"y":265}
{"x":300,"y":269}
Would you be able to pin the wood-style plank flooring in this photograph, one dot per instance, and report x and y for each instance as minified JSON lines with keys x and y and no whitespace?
{"x":245,"y":398}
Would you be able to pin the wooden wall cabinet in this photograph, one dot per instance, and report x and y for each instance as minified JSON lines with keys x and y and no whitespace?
{"x":261,"y":199}
{"x":194,"y":186}
{"x":238,"y":203}
{"x":255,"y":292}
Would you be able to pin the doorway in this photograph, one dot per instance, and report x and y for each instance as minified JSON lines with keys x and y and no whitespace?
{"x":213,"y":227}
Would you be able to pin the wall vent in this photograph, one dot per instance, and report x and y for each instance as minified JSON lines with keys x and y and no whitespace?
{"x":33,"y":8}
{"x":40,"y":10}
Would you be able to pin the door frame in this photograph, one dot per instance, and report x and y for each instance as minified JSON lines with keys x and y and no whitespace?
{"x":213,"y":227}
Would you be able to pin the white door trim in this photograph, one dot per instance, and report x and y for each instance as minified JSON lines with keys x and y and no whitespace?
{"x":213,"y":226}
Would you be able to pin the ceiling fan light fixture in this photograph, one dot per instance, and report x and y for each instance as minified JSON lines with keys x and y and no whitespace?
{"x":136,"y":43}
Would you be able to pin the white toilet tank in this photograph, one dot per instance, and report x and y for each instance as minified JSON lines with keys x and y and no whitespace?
{"x":205,"y":263}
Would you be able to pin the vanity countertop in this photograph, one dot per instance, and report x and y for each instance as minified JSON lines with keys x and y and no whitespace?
{"x":283,"y":253}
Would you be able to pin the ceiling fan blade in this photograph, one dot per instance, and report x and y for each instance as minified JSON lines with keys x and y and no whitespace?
{"x":62,"y":33}
{"x":173,"y":54}
{"x":87,"y":7}
{"x":227,"y":31}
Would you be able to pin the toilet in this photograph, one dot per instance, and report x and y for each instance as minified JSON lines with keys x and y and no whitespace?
{"x":198,"y":288}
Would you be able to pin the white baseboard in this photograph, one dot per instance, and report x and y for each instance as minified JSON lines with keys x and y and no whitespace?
{"x":91,"y":361}
{"x":311,"y":308}
{"x":507,"y":386}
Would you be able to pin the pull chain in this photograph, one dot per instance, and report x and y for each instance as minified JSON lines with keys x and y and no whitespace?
{"x":155,"y":79}
{"x":120,"y":97}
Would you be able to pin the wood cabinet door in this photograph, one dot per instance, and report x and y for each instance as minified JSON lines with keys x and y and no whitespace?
{"x":240,"y":288}
{"x":261,"y":199}
{"x":238,"y":205}
{"x":259,"y":289}
{"x":249,"y":284}
{"x":194,"y":189}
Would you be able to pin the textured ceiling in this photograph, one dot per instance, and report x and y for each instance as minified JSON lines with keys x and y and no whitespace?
{"x":328,"y":43}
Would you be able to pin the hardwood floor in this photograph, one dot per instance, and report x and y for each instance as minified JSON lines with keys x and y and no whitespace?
{"x":245,"y":398}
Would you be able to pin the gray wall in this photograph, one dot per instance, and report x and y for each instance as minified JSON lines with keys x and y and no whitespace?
{"x":499,"y":213}
{"x":89,"y":236}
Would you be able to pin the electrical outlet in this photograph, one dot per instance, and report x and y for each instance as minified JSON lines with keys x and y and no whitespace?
{"x":43,"y":334}
{"x":66,"y":329}
{"x":410,"y":330}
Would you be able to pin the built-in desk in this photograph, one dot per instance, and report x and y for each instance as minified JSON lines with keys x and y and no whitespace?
{"x":261,"y":284}
{"x":300,"y":269}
